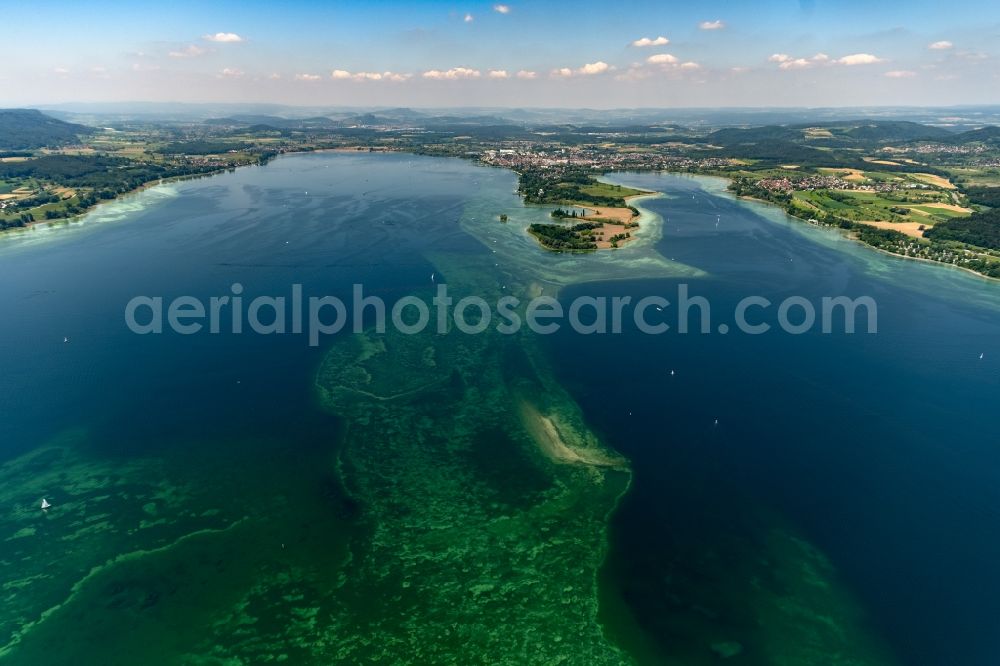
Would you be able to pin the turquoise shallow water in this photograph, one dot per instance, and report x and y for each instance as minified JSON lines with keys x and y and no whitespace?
{"x":228,"y":499}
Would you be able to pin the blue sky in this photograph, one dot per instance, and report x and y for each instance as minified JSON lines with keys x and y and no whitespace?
{"x":586,"y":53}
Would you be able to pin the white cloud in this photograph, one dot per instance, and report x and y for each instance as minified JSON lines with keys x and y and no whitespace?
{"x":662,"y":59}
{"x":226,"y":37}
{"x":900,"y":74}
{"x":501,"y":9}
{"x":646,"y":41}
{"x":796,"y":63}
{"x":308,"y":77}
{"x":468,"y":18}
{"x":453,"y":73}
{"x":189,"y":51}
{"x":527,"y":74}
{"x":231,"y":73}
{"x":590,"y":69}
{"x":275,"y":76}
{"x":858,"y":59}
{"x":344,"y":75}
{"x":498,"y":73}
{"x":711,"y":25}
{"x":943,"y":45}
{"x":665,"y":62}
{"x":786,"y":61}
{"x":598,"y":67}
{"x":61,"y":70}
{"x":659,"y":63}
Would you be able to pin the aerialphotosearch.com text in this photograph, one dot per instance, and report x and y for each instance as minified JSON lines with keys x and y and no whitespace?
{"x":319,"y":316}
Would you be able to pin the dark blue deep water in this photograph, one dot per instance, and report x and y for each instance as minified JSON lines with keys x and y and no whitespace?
{"x":881,"y":450}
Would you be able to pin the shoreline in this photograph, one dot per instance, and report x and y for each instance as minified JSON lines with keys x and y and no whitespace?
{"x":614,"y":221}
{"x":849,"y":235}
{"x":845,"y":233}
{"x":66,"y":221}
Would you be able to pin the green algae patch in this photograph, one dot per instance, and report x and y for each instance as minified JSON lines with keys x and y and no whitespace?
{"x":240,"y":581}
{"x":462,"y":564}
{"x":485,"y":496}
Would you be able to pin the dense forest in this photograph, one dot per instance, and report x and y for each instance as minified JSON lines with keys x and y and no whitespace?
{"x":565,"y":186}
{"x":979,"y":229}
{"x":113,"y":174}
{"x":560,"y":237}
{"x":984,"y":196}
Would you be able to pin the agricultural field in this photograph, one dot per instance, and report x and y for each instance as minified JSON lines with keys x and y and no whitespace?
{"x":600,"y":189}
{"x":920,"y":207}
{"x":975,"y":177}
{"x":869,"y":177}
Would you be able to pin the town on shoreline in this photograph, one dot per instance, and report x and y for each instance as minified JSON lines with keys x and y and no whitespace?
{"x":913,"y":190}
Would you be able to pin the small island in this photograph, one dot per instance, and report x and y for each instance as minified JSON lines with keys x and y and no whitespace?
{"x":596,"y":214}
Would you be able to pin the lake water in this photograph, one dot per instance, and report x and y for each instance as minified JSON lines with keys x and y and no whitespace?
{"x":223,"y":498}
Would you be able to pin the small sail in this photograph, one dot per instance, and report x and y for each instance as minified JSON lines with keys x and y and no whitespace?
{"x":45,"y":504}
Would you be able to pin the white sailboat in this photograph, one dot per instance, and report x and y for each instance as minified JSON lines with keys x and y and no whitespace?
{"x":45,"y":504}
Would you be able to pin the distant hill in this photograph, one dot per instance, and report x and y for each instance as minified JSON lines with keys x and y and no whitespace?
{"x":989,"y":134}
{"x":402,"y":113}
{"x":896,"y":131}
{"x":22,"y":129}
{"x":735,"y":136}
{"x":369,"y":119}
{"x":274,"y":122}
{"x":844,"y":134}
{"x":780,"y":151}
{"x":247,"y":119}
